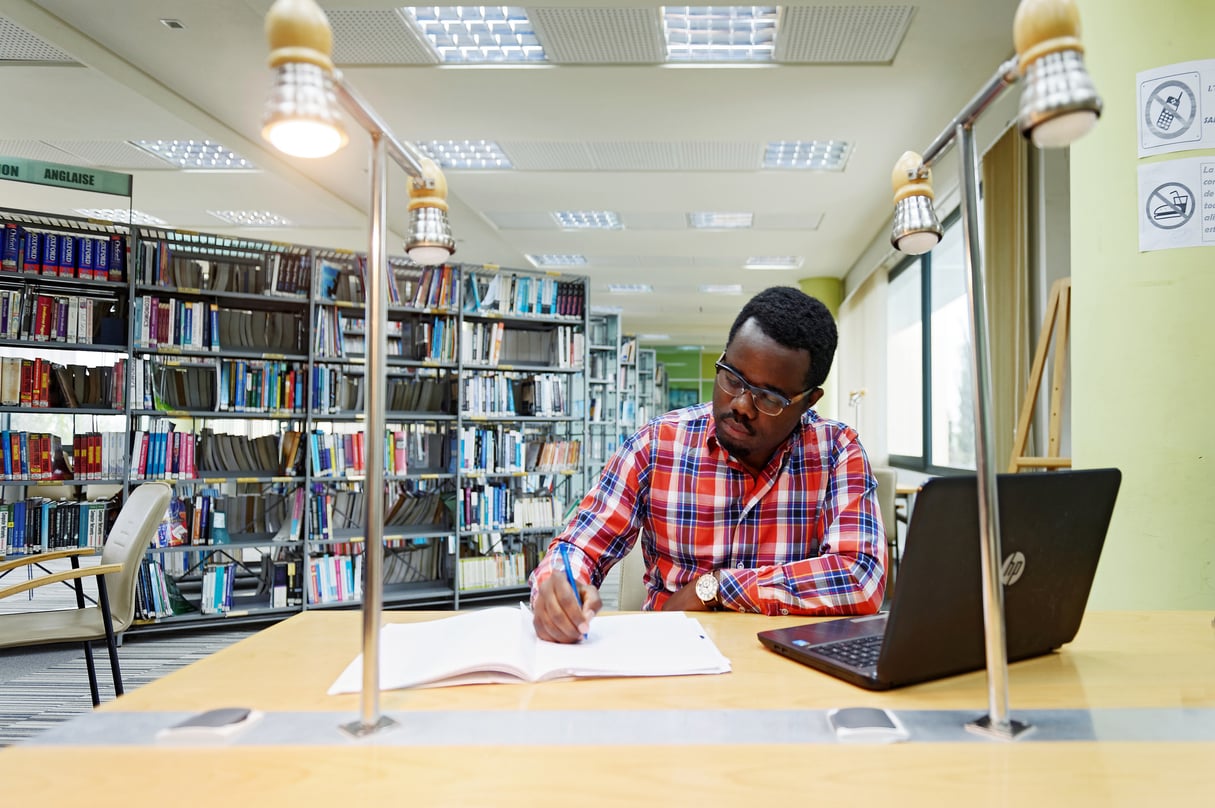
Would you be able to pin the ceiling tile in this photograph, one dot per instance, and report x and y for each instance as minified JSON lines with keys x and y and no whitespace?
{"x":19,"y":45}
{"x":842,"y":34}
{"x":600,"y":35}
{"x":377,"y":37}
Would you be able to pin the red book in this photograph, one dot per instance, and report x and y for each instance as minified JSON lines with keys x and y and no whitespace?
{"x":42,"y":319}
{"x":44,"y":384}
{"x":27,"y":382}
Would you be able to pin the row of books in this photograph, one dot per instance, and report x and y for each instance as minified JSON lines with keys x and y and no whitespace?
{"x":494,"y":571}
{"x":32,"y":456}
{"x":67,"y":255}
{"x":152,"y":598}
{"x":335,"y":578}
{"x":221,"y":385}
{"x":280,"y":274}
{"x":164,"y":453}
{"x":192,"y":521}
{"x":40,"y":383}
{"x":409,"y":446}
{"x":198,"y":326}
{"x":424,"y":390}
{"x":501,"y":449}
{"x":500,"y":506}
{"x":411,"y":338}
{"x":492,"y":343}
{"x":42,"y":316}
{"x":218,"y":587}
{"x":523,"y":295}
{"x":98,"y":455}
{"x":527,"y":394}
{"x":345,"y":509}
{"x":39,"y":524}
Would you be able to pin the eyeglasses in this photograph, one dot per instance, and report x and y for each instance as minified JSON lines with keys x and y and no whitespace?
{"x":769,"y":402}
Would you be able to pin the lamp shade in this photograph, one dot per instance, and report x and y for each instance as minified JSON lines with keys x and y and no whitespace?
{"x":1059,"y":103}
{"x":301,"y":116}
{"x":916,"y":227}
{"x":430,"y":241}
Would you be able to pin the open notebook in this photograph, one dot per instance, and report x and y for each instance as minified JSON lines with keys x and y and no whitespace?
{"x":499,"y":645}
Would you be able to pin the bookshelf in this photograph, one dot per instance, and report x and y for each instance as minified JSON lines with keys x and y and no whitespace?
{"x":604,"y":396}
{"x":63,"y":365}
{"x":233,"y":369}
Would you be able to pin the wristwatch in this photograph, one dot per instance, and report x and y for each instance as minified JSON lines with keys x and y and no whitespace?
{"x":706,"y":590}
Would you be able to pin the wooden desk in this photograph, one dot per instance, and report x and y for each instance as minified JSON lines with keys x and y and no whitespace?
{"x":1119,"y":660}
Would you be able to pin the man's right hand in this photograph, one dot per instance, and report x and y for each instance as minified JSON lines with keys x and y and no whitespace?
{"x":555,"y":612}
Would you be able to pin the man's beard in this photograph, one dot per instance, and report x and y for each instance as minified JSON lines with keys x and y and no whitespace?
{"x":739,"y":452}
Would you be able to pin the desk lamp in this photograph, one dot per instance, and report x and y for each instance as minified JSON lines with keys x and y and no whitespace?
{"x":1058,"y":105}
{"x":301,"y":119}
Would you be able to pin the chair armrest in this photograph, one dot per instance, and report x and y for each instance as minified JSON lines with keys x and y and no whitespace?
{"x":38,"y":558}
{"x":59,"y":577}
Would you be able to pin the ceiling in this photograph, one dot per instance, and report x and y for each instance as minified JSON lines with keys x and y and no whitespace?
{"x":80,"y":79}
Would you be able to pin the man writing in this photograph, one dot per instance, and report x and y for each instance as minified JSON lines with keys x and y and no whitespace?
{"x":752,"y":502}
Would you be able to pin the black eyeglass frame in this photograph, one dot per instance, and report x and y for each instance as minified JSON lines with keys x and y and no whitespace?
{"x":753,"y":390}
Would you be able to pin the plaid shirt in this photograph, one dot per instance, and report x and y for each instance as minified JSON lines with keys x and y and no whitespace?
{"x":805,"y":537}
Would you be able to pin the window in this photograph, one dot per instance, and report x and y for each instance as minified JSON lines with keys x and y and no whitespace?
{"x":929,"y":377}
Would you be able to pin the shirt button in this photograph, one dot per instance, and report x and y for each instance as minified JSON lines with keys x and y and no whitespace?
{"x":784,"y":611}
{"x":739,"y":565}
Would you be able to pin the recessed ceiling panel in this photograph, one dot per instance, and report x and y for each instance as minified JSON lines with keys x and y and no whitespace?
{"x":635,"y":156}
{"x":842,"y":34}
{"x":662,"y":220}
{"x":112,"y":154}
{"x":377,"y":37}
{"x":711,"y":156}
{"x":34,"y":150}
{"x":788,"y":221}
{"x":521,"y":220}
{"x":19,"y":45}
{"x":600,"y":35}
{"x":548,"y":156}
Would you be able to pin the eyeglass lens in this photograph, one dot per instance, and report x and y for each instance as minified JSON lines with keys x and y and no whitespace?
{"x":733,"y":385}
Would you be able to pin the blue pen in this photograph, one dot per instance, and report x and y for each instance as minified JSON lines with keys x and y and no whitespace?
{"x":569,"y":574}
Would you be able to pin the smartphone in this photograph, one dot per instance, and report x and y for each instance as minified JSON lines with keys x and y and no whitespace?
{"x":216,"y":724}
{"x":866,"y":725}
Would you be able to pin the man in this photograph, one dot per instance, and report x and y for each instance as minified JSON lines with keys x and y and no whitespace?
{"x":751,"y":503}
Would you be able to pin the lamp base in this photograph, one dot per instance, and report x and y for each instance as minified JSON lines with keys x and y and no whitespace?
{"x":1014,"y":730}
{"x":357,"y":729}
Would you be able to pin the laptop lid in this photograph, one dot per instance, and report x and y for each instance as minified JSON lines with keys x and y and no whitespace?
{"x":1052,"y":527}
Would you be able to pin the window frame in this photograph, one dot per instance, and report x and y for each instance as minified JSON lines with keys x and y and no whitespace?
{"x":922,"y":463}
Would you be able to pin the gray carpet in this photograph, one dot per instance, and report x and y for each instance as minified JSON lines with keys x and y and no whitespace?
{"x":44,"y":687}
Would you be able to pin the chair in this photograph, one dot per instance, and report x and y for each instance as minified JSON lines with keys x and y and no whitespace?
{"x":632,"y":579}
{"x":887,"y":483}
{"x":117,"y":577}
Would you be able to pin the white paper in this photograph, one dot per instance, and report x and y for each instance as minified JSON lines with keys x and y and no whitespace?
{"x":1176,"y":107}
{"x":1177,"y":204}
{"x":499,"y":645}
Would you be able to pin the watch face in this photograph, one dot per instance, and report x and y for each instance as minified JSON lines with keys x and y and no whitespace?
{"x":706,"y":588}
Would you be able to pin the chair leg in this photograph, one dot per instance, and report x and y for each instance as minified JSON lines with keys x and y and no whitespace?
{"x":104,"y":599}
{"x":88,"y":660}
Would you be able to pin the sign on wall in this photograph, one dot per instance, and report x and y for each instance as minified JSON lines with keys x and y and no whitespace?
{"x":1177,"y":204}
{"x":1176,"y":107}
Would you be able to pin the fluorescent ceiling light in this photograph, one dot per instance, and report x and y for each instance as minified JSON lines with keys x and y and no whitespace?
{"x":465,"y":153}
{"x":653,"y":337}
{"x":708,"y":220}
{"x":588,"y":219}
{"x":250,"y":218}
{"x":607,"y":309}
{"x":121,"y":215}
{"x":773,"y":262}
{"x":550,"y":260}
{"x":719,"y":33}
{"x":818,"y":155}
{"x":476,"y":34}
{"x":630,"y":288}
{"x":196,"y":154}
{"x":721,"y":288}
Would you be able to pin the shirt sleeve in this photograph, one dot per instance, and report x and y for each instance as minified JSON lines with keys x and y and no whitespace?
{"x":848,"y":575}
{"x":607,"y":521}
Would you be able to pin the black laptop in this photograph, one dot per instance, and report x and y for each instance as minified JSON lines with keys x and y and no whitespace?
{"x":1052,"y":527}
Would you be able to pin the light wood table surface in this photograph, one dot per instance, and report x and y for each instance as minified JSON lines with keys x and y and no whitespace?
{"x":1119,"y":660}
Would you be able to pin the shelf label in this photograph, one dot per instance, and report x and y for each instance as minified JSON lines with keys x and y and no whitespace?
{"x":59,"y":175}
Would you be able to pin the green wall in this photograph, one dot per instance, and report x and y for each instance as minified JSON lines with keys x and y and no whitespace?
{"x":831,"y":292}
{"x":1142,"y":338}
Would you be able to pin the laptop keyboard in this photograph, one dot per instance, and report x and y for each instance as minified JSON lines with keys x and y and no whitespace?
{"x":859,"y":653}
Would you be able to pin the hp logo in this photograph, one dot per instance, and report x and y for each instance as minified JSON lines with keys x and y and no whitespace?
{"x":1014,"y":566}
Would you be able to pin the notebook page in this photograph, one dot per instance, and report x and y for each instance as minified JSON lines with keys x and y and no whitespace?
{"x":650,"y":644}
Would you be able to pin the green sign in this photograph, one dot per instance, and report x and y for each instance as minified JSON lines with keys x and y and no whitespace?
{"x":64,"y":176}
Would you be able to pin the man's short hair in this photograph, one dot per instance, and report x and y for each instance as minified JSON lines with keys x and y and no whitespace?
{"x":795,"y":320}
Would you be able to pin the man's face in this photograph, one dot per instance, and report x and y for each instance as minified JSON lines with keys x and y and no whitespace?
{"x":745,"y":432}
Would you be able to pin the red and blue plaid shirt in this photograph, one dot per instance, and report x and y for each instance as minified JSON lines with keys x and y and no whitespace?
{"x":805,"y":537}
